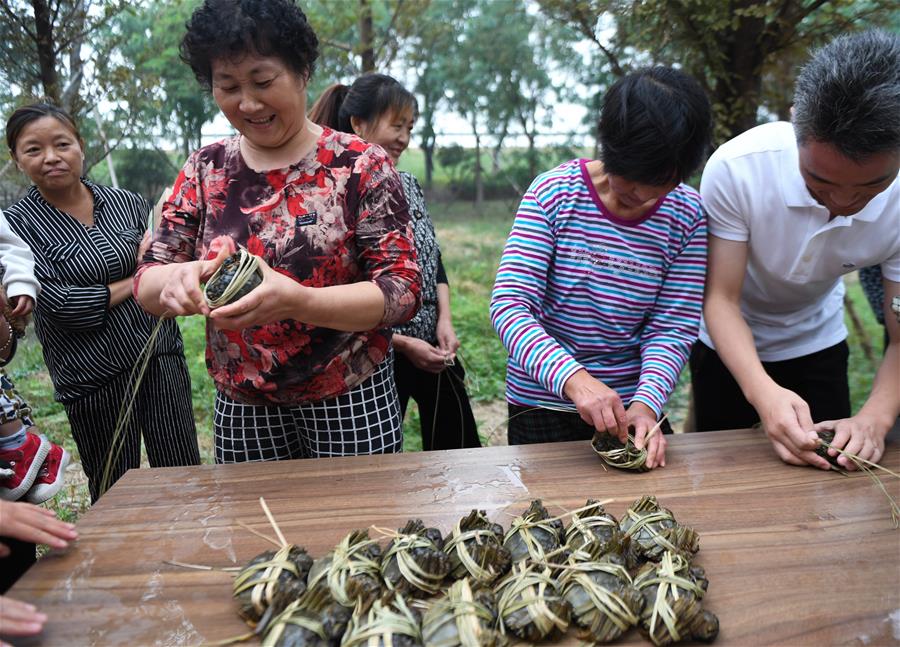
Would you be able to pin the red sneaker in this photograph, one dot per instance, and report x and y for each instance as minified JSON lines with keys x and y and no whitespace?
{"x":51,"y":476}
{"x":26,"y":462}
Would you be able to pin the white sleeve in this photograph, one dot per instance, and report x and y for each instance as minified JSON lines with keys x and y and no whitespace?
{"x":18,"y":263}
{"x":719,"y":188}
{"x":890,"y":268}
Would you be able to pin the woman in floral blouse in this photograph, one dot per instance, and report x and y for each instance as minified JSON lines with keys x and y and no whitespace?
{"x":302,"y":364}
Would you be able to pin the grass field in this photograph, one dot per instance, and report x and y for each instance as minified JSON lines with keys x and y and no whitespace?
{"x":471,"y":245}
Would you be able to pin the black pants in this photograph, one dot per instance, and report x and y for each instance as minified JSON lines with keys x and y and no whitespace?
{"x":21,"y":557}
{"x":163,"y":414}
{"x":445,"y":413}
{"x":529,"y":425}
{"x":819,"y":378}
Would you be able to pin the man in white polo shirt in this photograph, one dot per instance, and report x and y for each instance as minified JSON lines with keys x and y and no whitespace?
{"x":792,"y":208}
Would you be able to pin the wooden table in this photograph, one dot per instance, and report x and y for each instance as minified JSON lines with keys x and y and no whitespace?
{"x":793,"y":555}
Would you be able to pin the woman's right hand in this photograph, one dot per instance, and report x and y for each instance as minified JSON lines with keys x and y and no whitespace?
{"x":181,"y":295}
{"x":423,"y":355}
{"x":599,"y":406}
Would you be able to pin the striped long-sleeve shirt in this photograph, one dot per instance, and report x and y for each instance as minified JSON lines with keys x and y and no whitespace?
{"x":579,"y":288}
{"x":87,"y":343}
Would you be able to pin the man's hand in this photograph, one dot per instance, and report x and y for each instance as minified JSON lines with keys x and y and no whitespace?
{"x":860,"y":435}
{"x":642,"y":418}
{"x":598,"y":405}
{"x":786,"y":420}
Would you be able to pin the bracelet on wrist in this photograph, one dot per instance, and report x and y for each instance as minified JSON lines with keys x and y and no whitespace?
{"x":9,"y":339}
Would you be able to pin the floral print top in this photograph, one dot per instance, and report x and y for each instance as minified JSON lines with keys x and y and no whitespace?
{"x":337,"y":216}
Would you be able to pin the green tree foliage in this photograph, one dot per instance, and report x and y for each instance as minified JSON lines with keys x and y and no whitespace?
{"x":176,"y":105}
{"x":732,"y":46}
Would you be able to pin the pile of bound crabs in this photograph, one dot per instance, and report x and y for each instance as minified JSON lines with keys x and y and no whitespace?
{"x":481,"y":586}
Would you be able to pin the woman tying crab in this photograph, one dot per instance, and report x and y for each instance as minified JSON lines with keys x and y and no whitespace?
{"x":302,"y":364}
{"x":599,"y":289}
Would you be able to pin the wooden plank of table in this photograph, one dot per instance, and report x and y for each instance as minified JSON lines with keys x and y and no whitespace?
{"x":793,"y":555}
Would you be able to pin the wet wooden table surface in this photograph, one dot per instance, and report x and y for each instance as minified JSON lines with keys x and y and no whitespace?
{"x":793,"y":555}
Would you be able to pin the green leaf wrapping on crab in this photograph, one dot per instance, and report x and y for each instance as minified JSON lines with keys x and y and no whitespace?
{"x":534,"y":535}
{"x":673,"y":611}
{"x":476,"y":550}
{"x":463,"y":617}
{"x":315,"y":619}
{"x":351,"y":570}
{"x":652,"y":530}
{"x":599,"y":590}
{"x":624,"y":457}
{"x":822,"y":450}
{"x":529,"y":603}
{"x":414,"y":563}
{"x":592,"y":524}
{"x":269,"y":576}
{"x":236,"y":277}
{"x":389,"y":622}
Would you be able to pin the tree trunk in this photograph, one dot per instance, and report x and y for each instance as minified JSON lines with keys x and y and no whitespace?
{"x":479,"y":180}
{"x":738,"y":90}
{"x":366,"y":36}
{"x":532,"y":154}
{"x":46,"y":50}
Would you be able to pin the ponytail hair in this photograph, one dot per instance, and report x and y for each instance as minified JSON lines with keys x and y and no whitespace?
{"x":369,"y":98}
{"x":326,"y":110}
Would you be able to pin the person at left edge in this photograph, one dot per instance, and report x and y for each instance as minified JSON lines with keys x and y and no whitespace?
{"x":302,"y":364}
{"x":86,"y":239}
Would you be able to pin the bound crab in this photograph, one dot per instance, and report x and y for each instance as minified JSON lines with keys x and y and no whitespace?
{"x":389,"y":622}
{"x":268,"y":577}
{"x":599,"y":590}
{"x":652,"y":530}
{"x":476,"y":550}
{"x":315,"y":619}
{"x":673,"y":590}
{"x":534,"y":535}
{"x":414,"y":562}
{"x":529,"y":603}
{"x":592,"y":524}
{"x":236,"y":277}
{"x":350,"y":570}
{"x":463,"y":617}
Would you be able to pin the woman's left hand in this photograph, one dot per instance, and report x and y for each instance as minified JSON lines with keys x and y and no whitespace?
{"x":642,"y":418}
{"x":272,"y":300}
{"x":447,"y":340}
{"x":22,"y":305}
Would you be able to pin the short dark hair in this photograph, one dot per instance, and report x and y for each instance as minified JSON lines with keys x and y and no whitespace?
{"x":848,"y":95}
{"x":32,"y":112}
{"x":655,"y":126}
{"x":234,"y":28}
{"x":368,"y":98}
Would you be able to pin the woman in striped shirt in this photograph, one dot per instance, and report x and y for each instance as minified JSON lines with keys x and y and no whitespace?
{"x":600,"y":286}
{"x":86,"y":239}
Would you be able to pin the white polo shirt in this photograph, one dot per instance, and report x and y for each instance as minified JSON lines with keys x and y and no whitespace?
{"x":792,"y":297}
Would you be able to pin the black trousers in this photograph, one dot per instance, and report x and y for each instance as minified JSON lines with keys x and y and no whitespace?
{"x":529,"y":425}
{"x":21,"y":557}
{"x":819,"y":378}
{"x":163,"y":414}
{"x":445,"y":413}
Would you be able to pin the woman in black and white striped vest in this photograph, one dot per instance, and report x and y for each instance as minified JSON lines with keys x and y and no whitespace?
{"x":87,"y":240}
